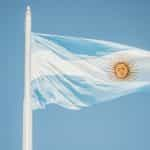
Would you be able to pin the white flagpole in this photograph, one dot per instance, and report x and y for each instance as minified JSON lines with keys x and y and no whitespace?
{"x":27,"y":105}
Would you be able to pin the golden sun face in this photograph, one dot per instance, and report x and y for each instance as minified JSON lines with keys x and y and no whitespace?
{"x":121,"y":70}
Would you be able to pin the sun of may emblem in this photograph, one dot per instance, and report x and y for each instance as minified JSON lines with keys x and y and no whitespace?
{"x":121,"y":70}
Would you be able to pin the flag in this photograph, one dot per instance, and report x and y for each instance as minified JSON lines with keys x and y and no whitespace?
{"x":77,"y":72}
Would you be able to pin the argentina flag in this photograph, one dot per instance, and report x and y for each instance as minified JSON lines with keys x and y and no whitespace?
{"x":77,"y":72}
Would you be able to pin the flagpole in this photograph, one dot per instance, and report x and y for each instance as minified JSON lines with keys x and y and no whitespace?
{"x":27,"y":105}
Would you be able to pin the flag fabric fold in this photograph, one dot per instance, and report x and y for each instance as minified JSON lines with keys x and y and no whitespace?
{"x":77,"y":72}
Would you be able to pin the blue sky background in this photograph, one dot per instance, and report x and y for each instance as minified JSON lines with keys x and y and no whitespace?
{"x":123,"y":124}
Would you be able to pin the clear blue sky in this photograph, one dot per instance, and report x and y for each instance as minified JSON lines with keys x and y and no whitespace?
{"x":123,"y":124}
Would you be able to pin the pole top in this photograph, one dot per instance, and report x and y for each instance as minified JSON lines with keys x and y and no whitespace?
{"x":28,"y":10}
